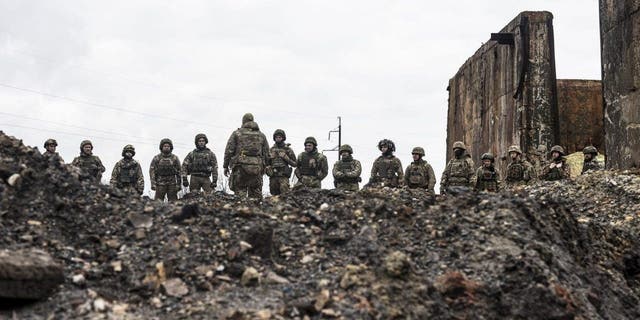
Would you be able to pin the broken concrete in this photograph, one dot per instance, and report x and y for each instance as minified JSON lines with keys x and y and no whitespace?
{"x":580,"y":114}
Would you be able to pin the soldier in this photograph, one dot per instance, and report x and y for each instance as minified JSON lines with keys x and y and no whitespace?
{"x":558,"y":168}
{"x":164,"y":172}
{"x":538,"y":160}
{"x":311,"y":165}
{"x":127,"y":173}
{"x":590,"y":161}
{"x":50,"y":150}
{"x":519,"y":171}
{"x":459,"y":171}
{"x":202,"y":165}
{"x":88,"y":162}
{"x":487,"y":177}
{"x":279,"y":163}
{"x":347,"y":170}
{"x":387,"y":169}
{"x":419,"y":174}
{"x":246,"y":153}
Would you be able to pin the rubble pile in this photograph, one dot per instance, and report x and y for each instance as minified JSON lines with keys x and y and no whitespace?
{"x":547,"y":251}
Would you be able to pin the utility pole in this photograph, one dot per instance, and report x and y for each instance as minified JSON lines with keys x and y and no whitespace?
{"x":337,"y":130}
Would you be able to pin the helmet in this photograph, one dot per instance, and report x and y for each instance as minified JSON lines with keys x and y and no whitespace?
{"x":418,"y":150}
{"x":514,"y":148}
{"x":542,"y":149}
{"x":50,"y":142}
{"x":311,"y":140}
{"x":558,"y":149}
{"x":386,"y":142}
{"x":279,"y":132}
{"x":84,"y":143}
{"x":129,"y":148}
{"x":590,"y":149}
{"x":347,"y":148}
{"x":166,"y":140}
{"x":198,"y":136}
{"x":459,"y":145}
{"x":487,"y":156}
{"x":247,"y":117}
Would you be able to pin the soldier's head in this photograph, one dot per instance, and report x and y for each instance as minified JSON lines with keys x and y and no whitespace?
{"x":487,"y":159}
{"x":515,"y":153}
{"x":128,"y":151}
{"x":86,"y":147}
{"x":50,"y":145}
{"x":166,"y":146}
{"x":557,"y":152}
{"x":201,"y":141}
{"x":310,"y":144}
{"x":590,"y":152}
{"x":386,"y":146}
{"x":417,"y":153}
{"x":247,"y":117}
{"x":459,"y":148}
{"x":346,"y":151}
{"x":279,"y":136}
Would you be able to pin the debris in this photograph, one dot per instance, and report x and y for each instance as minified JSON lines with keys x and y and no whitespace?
{"x":250,"y":277}
{"x":175,"y":287}
{"x":28,"y":274}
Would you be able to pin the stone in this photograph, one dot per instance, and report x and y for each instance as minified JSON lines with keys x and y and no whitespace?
{"x":321,"y":299}
{"x":250,"y":277}
{"x":273,"y":278}
{"x":175,"y":287}
{"x":140,"y":220}
{"x":28,"y":274}
{"x":78,"y":279}
{"x":14,"y":180}
{"x":397,"y":264}
{"x":99,"y":305}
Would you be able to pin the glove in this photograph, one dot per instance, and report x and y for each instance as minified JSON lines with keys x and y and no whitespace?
{"x":226,"y":172}
{"x":185,"y":182}
{"x":269,"y":170}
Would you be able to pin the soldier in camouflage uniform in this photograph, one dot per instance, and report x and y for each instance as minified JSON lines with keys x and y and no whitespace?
{"x":312,"y":166}
{"x":50,"y":151}
{"x":127,"y":173}
{"x":558,"y":168}
{"x":87,"y":162}
{"x":487,"y":177}
{"x":540,"y":160}
{"x":419,"y":174}
{"x":347,"y":170}
{"x":247,"y":152}
{"x":590,"y":162}
{"x":164,"y":172}
{"x":279,"y":163}
{"x":202,"y":165}
{"x":387,"y":168}
{"x":459,"y":171}
{"x":519,"y":171}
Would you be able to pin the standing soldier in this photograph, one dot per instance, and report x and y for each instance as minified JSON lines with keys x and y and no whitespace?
{"x":590,"y":162}
{"x":50,"y":150}
{"x":519,"y":171}
{"x":127,"y":173}
{"x":347,"y":170}
{"x":165,"y":172}
{"x":459,"y":171}
{"x":279,"y":163}
{"x":487,"y":177}
{"x":246,"y":153}
{"x":202,"y":165}
{"x":558,"y":168}
{"x":419,"y":174}
{"x":387,"y":168}
{"x":312,"y":165}
{"x":87,"y":162}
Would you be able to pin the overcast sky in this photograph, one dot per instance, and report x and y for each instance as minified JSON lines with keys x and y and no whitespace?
{"x":120,"y":72}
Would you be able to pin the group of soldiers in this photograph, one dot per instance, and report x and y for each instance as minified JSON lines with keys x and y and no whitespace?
{"x":248,"y":156}
{"x":460,"y":171}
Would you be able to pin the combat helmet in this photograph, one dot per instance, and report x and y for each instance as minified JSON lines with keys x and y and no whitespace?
{"x":50,"y":142}
{"x":514,"y":148}
{"x":347,"y":148}
{"x":386,"y":142}
{"x":488,"y":156}
{"x":166,"y":140}
{"x":558,"y":149}
{"x":279,"y":132}
{"x":247,"y":117}
{"x":590,"y":149}
{"x":129,"y":148}
{"x":198,"y":136}
{"x":84,"y":143}
{"x":459,"y":145}
{"x":418,"y":151}
{"x":311,"y":140}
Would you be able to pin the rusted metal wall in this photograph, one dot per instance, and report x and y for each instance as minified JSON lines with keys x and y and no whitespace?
{"x":580,"y":114}
{"x":620,"y":52}
{"x":506,"y":93}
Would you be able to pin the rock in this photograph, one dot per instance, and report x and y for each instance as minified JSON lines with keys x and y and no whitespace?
{"x":397,"y":264}
{"x":78,"y":279}
{"x":306,"y":259}
{"x":321,"y":299}
{"x":140,"y":220}
{"x":175,"y":287}
{"x":99,"y":305}
{"x":273,"y":278}
{"x":260,"y":237}
{"x":117,"y":266}
{"x":28,"y":274}
{"x":250,"y":277}
{"x":14,"y":180}
{"x":140,"y":234}
{"x":244,"y":246}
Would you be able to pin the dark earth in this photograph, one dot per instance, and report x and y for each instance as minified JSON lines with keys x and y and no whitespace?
{"x":547,"y":251}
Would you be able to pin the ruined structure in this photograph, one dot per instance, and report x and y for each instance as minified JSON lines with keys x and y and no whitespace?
{"x":580,"y":115}
{"x":620,"y":52}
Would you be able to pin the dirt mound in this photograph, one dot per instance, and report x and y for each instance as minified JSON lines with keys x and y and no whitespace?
{"x":549,"y":251}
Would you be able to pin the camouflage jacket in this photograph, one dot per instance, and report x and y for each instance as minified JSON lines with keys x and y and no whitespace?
{"x":90,"y":164}
{"x":233,"y":150}
{"x":419,"y":174}
{"x":487,"y":179}
{"x":312,"y":164}
{"x":593,"y":165}
{"x":127,"y":173}
{"x":280,"y":160}
{"x":52,"y":156}
{"x":201,"y":163}
{"x":347,"y":170}
{"x":520,"y":172}
{"x":387,"y":170}
{"x":458,"y":172}
{"x":560,"y":171}
{"x":164,"y":170}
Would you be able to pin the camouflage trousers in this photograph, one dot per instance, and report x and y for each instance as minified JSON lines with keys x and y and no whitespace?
{"x":347,"y":186}
{"x":130,"y":188}
{"x":309,"y":182}
{"x":170,"y":190}
{"x":278,"y":185}
{"x":247,"y":185}
{"x":197,"y":182}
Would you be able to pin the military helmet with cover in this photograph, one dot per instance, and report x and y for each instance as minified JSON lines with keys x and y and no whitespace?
{"x":166,"y":140}
{"x":200,"y":135}
{"x":514,"y":148}
{"x":388,"y":143}
{"x":247,"y":117}
{"x":311,"y":140}
{"x":488,"y":156}
{"x":50,"y":142}
{"x":459,"y":145}
{"x":558,"y":149}
{"x":129,"y":148}
{"x":346,"y":148}
{"x":591,"y":150}
{"x":84,"y":143}
{"x":279,"y":132}
{"x":418,"y":151}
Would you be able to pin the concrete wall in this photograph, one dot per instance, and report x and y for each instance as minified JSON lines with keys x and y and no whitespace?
{"x":506,"y":93}
{"x":580,"y":114}
{"x":620,"y":52}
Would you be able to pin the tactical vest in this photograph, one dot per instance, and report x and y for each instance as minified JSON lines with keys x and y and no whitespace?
{"x":128,"y":173}
{"x":417,"y":174}
{"x":309,"y":164}
{"x":488,"y":180}
{"x":344,"y":167}
{"x":250,"y":143}
{"x":89,"y":164}
{"x":590,"y":165}
{"x":386,"y":168}
{"x":555,"y":173}
{"x":459,"y":172}
{"x":515,"y":171}
{"x":280,"y":167}
{"x":165,"y":167}
{"x":200,"y":163}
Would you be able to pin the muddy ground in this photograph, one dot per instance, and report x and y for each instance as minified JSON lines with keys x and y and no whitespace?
{"x":548,"y":251}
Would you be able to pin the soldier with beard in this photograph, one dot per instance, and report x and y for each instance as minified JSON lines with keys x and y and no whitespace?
{"x":419,"y":174}
{"x":87,"y":162}
{"x":312,"y":166}
{"x":387,"y":168}
{"x":459,"y":171}
{"x":164,"y":172}
{"x":127,"y":173}
{"x":558,"y":169}
{"x":590,"y":162}
{"x":519,"y":171}
{"x":347,"y":170}
{"x":202,"y":165}
{"x":487,"y":177}
{"x":279,"y":163}
{"x":50,"y":151}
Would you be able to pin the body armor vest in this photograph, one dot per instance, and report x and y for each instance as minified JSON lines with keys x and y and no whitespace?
{"x":309,"y":164}
{"x":488,"y":180}
{"x":89,"y":164}
{"x":417,"y":174}
{"x":128,"y":173}
{"x":590,"y":165}
{"x":344,"y":167}
{"x":386,"y":168}
{"x":459,"y":172}
{"x":201,"y":163}
{"x":250,"y":143}
{"x":515,"y":171}
{"x":555,"y":173}
{"x":165,"y":167}
{"x":280,"y":167}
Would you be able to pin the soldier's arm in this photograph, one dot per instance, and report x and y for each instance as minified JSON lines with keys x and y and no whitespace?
{"x":406,"y":176}
{"x":566,"y":171}
{"x":498,"y":181}
{"x":357,"y":170}
{"x":101,"y":168}
{"x":475,"y":181}
{"x":399,"y":171}
{"x":374,"y":172}
{"x":324,"y":168}
{"x":229,"y":150}
{"x":114,"y":174}
{"x":76,"y":161}
{"x":473,"y":177}
{"x":337,"y":173}
{"x":176,"y":166}
{"x":214,"y":168}
{"x":444,"y":180}
{"x":152,"y":171}
{"x":140,"y":182}
{"x":265,"y":149}
{"x":432,"y":177}
{"x":184,"y":169}
{"x":298,"y":164}
{"x":291,"y":158}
